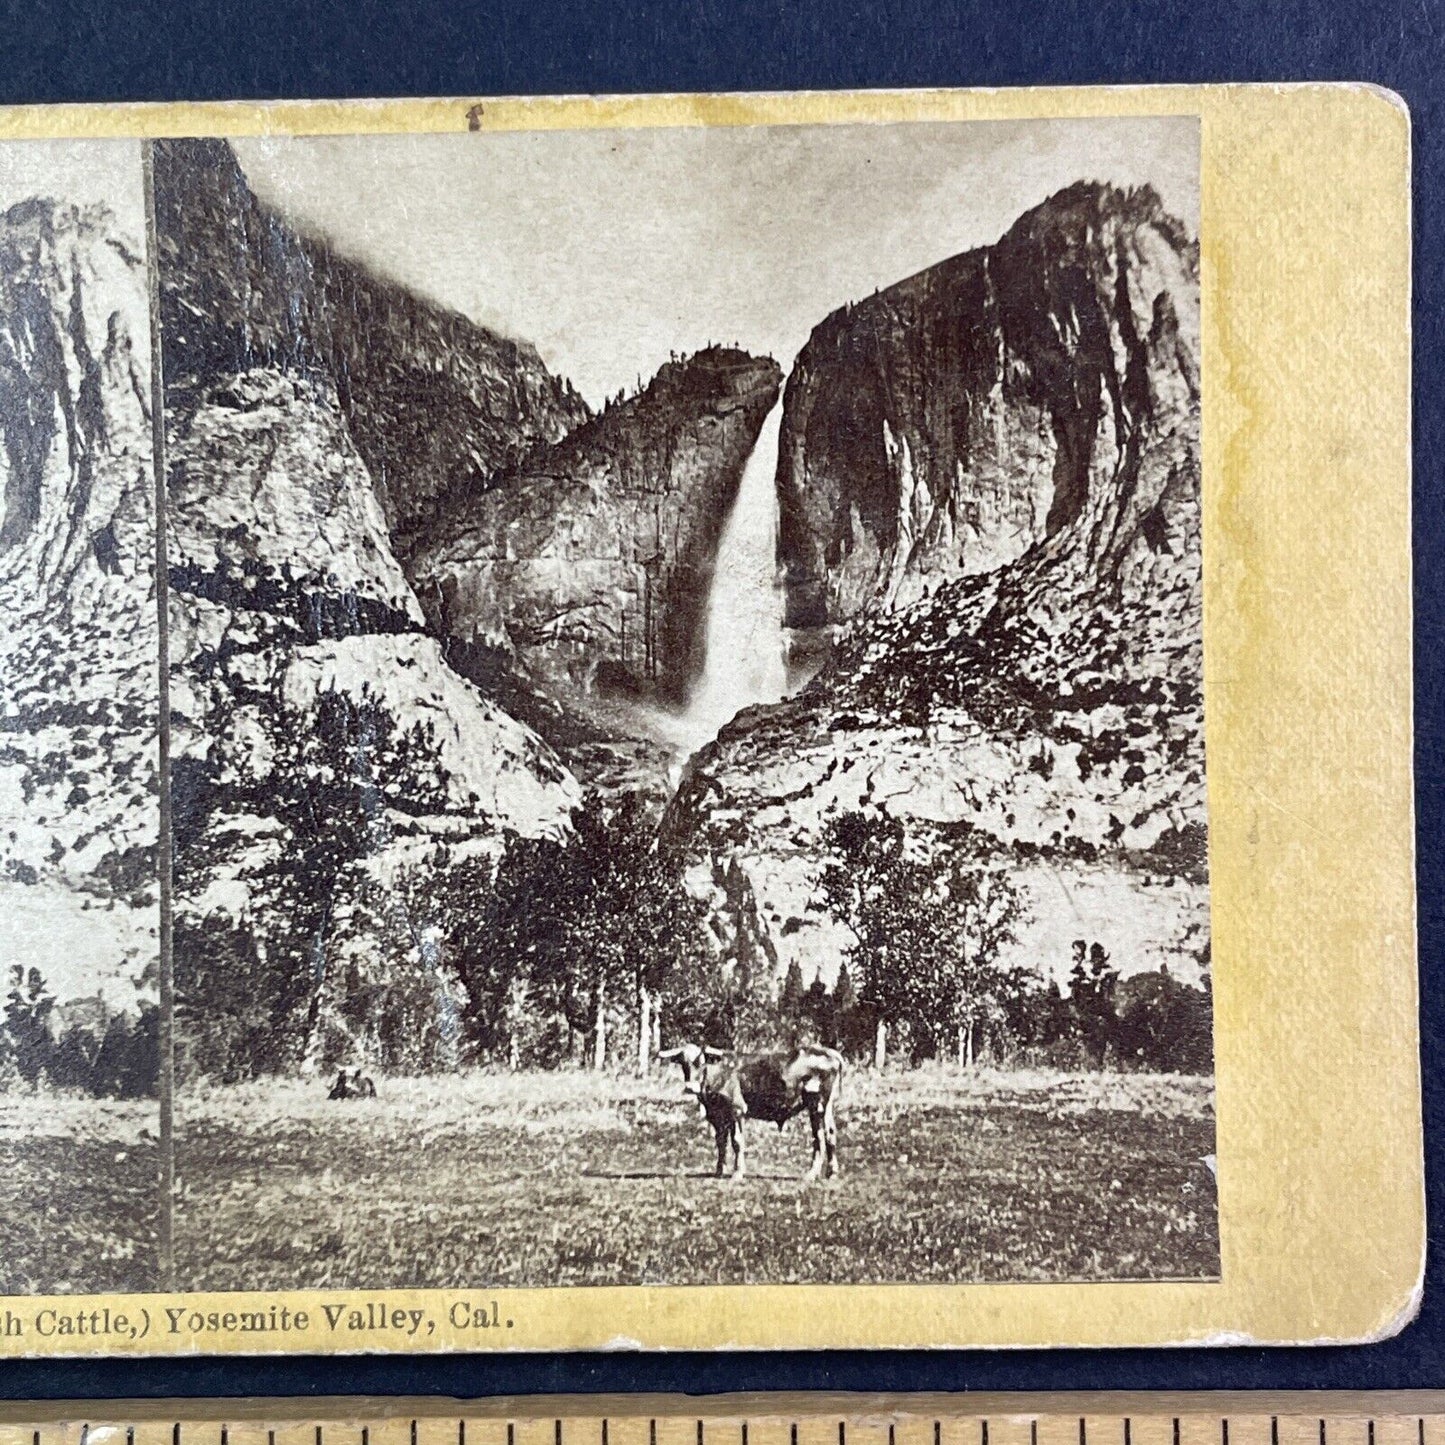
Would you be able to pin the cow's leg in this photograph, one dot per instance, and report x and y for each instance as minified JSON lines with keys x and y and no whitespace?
{"x":721,"y":1130}
{"x":830,"y":1139}
{"x":737,"y":1148}
{"x":815,"y":1122}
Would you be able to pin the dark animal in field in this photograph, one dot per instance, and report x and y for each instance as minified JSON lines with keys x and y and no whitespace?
{"x":355,"y":1085}
{"x":770,"y":1087}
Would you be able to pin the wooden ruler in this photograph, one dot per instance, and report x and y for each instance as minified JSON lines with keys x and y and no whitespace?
{"x":1324,"y":1418}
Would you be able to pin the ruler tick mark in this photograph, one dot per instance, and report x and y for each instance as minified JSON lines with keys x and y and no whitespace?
{"x":965,"y":1428}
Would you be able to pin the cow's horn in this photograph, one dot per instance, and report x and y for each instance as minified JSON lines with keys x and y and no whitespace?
{"x":713,"y":1053}
{"x":666,"y":1056}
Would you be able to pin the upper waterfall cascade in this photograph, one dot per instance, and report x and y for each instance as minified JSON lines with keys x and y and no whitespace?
{"x":746,"y":645}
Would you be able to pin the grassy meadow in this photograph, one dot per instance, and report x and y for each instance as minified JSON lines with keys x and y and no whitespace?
{"x":575,"y":1178}
{"x":79,"y":1189}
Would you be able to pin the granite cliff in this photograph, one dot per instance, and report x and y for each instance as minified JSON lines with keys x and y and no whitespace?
{"x":433,"y":402}
{"x":591,"y":562}
{"x":945,"y":425}
{"x":79,"y":632}
{"x":329,"y":766}
{"x":989,"y":485}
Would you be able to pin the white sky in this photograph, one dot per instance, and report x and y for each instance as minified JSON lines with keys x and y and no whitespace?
{"x":78,"y":171}
{"x":610,"y":249}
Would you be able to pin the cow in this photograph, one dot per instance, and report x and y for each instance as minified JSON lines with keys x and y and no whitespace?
{"x":352,"y":1086}
{"x":732,"y":1087}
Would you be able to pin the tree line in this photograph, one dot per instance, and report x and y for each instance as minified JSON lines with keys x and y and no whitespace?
{"x":586,"y":950}
{"x":89,"y":1047}
{"x":594,"y":952}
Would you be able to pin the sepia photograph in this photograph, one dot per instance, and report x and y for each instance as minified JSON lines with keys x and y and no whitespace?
{"x":80,"y":776}
{"x":686,"y":711}
{"x":694,"y":722}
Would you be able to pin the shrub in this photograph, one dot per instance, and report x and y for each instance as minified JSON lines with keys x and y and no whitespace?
{"x":1164,"y":1024}
{"x":85,"y":1046}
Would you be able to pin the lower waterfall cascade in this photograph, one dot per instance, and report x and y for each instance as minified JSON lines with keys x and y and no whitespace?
{"x":746,"y":660}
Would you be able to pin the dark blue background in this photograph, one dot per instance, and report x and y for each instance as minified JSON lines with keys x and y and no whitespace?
{"x":151,"y":50}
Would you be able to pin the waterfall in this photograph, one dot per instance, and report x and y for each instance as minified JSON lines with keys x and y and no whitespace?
{"x":746,"y":652}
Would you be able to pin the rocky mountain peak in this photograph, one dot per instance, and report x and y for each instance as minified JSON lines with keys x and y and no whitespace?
{"x":989,"y":487}
{"x":943,"y":426}
{"x":434,"y":401}
{"x":329,"y":768}
{"x":74,"y":389}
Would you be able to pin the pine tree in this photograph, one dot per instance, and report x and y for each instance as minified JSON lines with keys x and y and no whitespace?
{"x":790,"y":1005}
{"x":28,"y":1011}
{"x":1092,"y":986}
{"x":818,"y":1010}
{"x":844,"y":1010}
